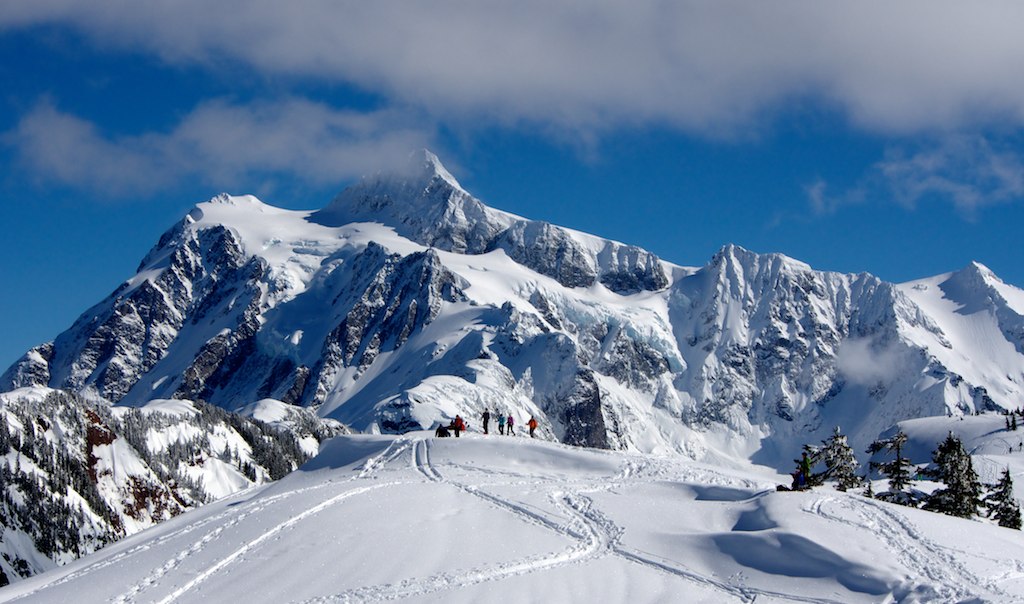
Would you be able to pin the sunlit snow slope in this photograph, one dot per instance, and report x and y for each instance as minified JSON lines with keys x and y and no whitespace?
{"x":509,"y":519}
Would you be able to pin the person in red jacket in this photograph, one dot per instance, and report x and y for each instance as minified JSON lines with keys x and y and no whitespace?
{"x":459,"y":425}
{"x":532,"y":424}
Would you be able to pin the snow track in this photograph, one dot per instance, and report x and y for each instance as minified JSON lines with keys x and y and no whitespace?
{"x":227,"y":519}
{"x":372,"y":465}
{"x":593,"y":533}
{"x":594,"y":536}
{"x":270,"y":533}
{"x":939,"y":564}
{"x":542,"y":521}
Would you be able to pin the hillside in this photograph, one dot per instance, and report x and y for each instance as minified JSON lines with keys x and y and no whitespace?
{"x":76,"y":475}
{"x":510,"y":519}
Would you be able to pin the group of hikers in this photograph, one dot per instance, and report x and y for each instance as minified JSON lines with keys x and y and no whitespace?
{"x":506,"y":425}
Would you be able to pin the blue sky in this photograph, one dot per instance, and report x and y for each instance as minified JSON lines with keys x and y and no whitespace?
{"x":851,"y":136}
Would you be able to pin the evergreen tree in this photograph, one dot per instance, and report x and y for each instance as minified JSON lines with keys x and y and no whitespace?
{"x":1001,"y":504}
{"x":954,"y":468}
{"x":811,"y":478}
{"x":897,"y":470}
{"x":1013,"y":423}
{"x":841,"y":462}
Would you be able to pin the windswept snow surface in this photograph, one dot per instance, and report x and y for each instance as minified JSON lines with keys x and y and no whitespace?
{"x":509,"y":519}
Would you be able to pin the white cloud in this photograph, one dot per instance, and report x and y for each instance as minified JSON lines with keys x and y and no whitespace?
{"x":823,"y":202}
{"x":218,"y":142}
{"x":969,"y":171}
{"x":708,"y":67}
{"x":861,"y":361}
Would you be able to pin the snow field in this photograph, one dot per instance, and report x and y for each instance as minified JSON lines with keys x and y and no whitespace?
{"x":510,"y":519}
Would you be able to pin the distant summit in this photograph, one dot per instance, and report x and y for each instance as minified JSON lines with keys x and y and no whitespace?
{"x":423,"y":202}
{"x":424,"y":166}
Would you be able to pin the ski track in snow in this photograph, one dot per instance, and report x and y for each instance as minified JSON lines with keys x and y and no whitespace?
{"x":394,"y":450}
{"x":914,"y":549}
{"x":595,"y":536}
{"x":574,"y":516}
{"x":271,"y":532}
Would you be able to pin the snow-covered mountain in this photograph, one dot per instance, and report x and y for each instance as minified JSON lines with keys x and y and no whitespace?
{"x":76,"y":475}
{"x":410,"y":518}
{"x":406,"y":301}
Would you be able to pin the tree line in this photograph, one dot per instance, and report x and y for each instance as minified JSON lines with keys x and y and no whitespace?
{"x":962,"y":494}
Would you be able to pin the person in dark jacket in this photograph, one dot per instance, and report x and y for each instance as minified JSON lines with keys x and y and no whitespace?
{"x":803,"y":477}
{"x":487,"y":419}
{"x":510,"y":422}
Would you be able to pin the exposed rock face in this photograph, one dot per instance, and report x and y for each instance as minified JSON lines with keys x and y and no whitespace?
{"x":406,"y":301}
{"x":627,"y":269}
{"x":33,"y":368}
{"x":113,"y":344}
{"x":549,"y":251}
{"x":401,"y":296}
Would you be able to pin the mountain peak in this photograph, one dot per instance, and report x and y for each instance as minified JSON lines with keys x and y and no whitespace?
{"x":734,"y":255}
{"x":424,"y":166}
{"x":979,"y":269}
{"x":975,"y":276}
{"x":422,"y":187}
{"x":421,"y":201}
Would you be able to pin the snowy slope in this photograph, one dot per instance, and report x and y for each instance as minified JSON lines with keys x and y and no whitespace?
{"x":76,"y":475}
{"x":509,"y":519}
{"x":982,"y":330}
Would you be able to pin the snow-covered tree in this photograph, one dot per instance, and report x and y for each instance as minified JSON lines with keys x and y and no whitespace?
{"x":897,"y":470}
{"x":49,"y":488}
{"x":841,"y":462}
{"x":813,"y":456}
{"x":953,"y":466}
{"x":1001,"y":504}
